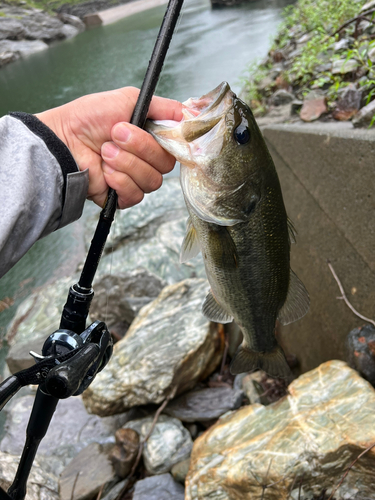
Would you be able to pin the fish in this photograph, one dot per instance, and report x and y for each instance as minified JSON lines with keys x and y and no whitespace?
{"x":238,"y":221}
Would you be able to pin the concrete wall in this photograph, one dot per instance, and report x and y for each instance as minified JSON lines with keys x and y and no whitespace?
{"x":327,"y":176}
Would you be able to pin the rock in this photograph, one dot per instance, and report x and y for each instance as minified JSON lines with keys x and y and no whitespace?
{"x":124,"y":453}
{"x":265,"y":83}
{"x":71,"y":430}
{"x":40,"y":485}
{"x":41,"y":26}
{"x":371,"y":54}
{"x":168,"y":444}
{"x":277,"y":114}
{"x":87,"y":473}
{"x":72,"y":20}
{"x":348,"y":103}
{"x":365,"y":115}
{"x":312,"y":109}
{"x":18,"y":357}
{"x":203,"y":405}
{"x":179,"y":471}
{"x":315,"y":432}
{"x":39,"y":314}
{"x":165,"y":205}
{"x":361,"y":351}
{"x":11,"y":29}
{"x":113,"y":494}
{"x":343,"y":66}
{"x":250,"y":384}
{"x":69,"y":31}
{"x":119,"y":297}
{"x":169,"y":347}
{"x":341,"y":44}
{"x":368,"y":5}
{"x":6,"y":56}
{"x":161,"y":487}
{"x":281,"y":97}
{"x":22,"y":48}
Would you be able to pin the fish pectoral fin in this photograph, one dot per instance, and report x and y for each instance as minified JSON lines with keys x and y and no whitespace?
{"x":223,"y":249}
{"x":272,"y":362}
{"x":297,"y":301}
{"x":213,"y":311}
{"x":291,"y":231}
{"x":190,"y":246}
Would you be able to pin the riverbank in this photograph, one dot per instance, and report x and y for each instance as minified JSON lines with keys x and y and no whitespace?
{"x":320,"y":66}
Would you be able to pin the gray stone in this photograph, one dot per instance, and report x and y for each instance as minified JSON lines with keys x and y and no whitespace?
{"x":142,"y":220}
{"x":159,"y":254}
{"x":203,"y":405}
{"x":161,"y":487}
{"x":365,"y":115}
{"x":348,"y":103}
{"x":18,"y":357}
{"x":41,"y":26}
{"x":115,"y":491}
{"x":179,"y":471}
{"x":87,"y":473}
{"x":11,"y":29}
{"x":71,"y":430}
{"x":119,"y":297}
{"x":72,"y":20}
{"x":276,"y":114}
{"x":69,"y":31}
{"x":40,"y":485}
{"x":22,"y":48}
{"x":361,"y":351}
{"x":313,"y":433}
{"x":7,"y":56}
{"x":168,"y":444}
{"x":343,"y":66}
{"x":281,"y":97}
{"x":341,"y":44}
{"x":368,"y":5}
{"x":169,"y":347}
{"x":249,"y":383}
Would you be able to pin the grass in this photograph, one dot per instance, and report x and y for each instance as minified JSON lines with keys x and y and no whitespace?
{"x":317,"y":21}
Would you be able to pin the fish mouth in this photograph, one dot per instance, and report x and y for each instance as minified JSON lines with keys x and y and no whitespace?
{"x":201,"y":130}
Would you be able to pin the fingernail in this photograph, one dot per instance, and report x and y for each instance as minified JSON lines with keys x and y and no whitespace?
{"x":107,"y":169}
{"x":121,"y":133}
{"x":110,"y":150}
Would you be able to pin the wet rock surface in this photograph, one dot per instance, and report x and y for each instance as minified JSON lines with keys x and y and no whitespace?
{"x":205,"y":404}
{"x":161,"y":487}
{"x":169,"y":443}
{"x":361,"y":351}
{"x":88,"y":473}
{"x":168,"y":348}
{"x":25,"y":30}
{"x":315,"y":432}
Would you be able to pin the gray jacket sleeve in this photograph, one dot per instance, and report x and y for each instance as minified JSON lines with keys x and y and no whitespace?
{"x":41,"y":188}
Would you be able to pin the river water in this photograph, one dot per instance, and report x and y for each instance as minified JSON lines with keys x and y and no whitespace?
{"x":208,"y":47}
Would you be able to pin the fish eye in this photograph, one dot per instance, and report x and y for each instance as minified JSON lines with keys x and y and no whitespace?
{"x":242,"y":134}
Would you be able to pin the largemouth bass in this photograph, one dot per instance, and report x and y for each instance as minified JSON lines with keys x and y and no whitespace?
{"x":239,"y":223}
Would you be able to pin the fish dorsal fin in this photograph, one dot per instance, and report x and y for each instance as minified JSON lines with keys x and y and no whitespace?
{"x":291,"y":231}
{"x":190,"y":246}
{"x":213,"y":311}
{"x":297,"y":301}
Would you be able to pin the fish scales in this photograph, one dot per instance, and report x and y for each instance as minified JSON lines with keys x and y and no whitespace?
{"x":239,"y":223}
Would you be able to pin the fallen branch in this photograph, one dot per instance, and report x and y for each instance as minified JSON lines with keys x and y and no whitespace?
{"x":357,"y":18}
{"x":344,"y":297}
{"x":142,"y":443}
{"x":348,"y":469}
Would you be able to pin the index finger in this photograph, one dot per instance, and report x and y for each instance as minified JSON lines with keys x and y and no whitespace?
{"x":165,"y":109}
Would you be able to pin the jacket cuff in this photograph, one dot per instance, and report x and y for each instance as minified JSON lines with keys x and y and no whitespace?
{"x":75,"y":183}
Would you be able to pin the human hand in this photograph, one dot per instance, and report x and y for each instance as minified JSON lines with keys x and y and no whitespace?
{"x":119,"y":155}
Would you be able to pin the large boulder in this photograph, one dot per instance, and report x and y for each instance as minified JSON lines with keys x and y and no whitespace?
{"x":168,"y":348}
{"x":312,"y":435}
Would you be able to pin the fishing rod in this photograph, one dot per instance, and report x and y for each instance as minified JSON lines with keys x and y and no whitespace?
{"x":73,"y":355}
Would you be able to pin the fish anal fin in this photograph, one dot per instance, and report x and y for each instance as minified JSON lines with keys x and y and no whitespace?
{"x":297,"y":302}
{"x":223,"y":249}
{"x":272,"y":362}
{"x":190,"y":246}
{"x":213,"y":311}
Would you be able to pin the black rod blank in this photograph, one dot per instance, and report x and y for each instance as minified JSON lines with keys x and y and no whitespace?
{"x":139,"y":119}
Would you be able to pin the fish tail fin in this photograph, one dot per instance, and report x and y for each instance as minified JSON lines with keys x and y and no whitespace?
{"x":272,"y":362}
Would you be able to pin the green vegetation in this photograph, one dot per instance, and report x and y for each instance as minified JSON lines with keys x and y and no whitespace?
{"x":306,"y":46}
{"x":46,"y":5}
